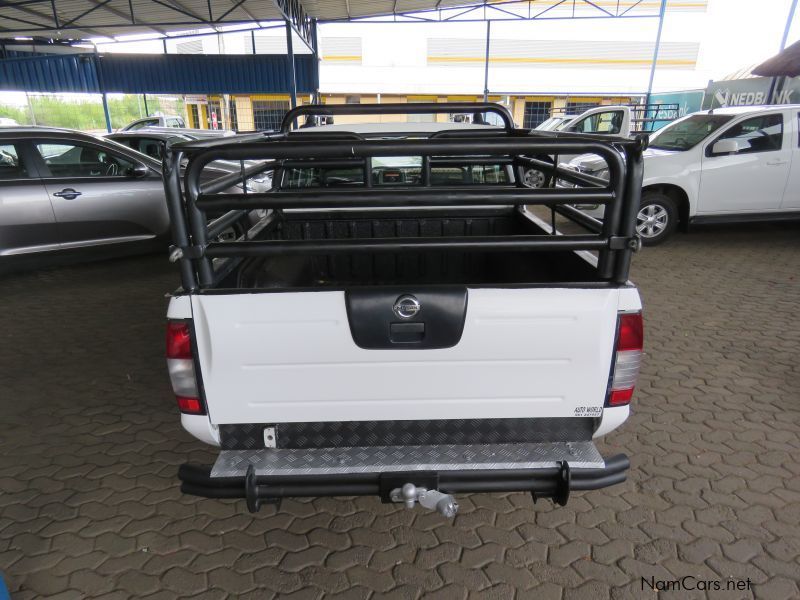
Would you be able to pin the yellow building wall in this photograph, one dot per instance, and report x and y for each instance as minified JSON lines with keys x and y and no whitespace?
{"x":366,"y":99}
{"x":244,"y":113}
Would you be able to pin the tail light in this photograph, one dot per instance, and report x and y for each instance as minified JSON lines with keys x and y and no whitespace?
{"x":627,"y":359}
{"x":180,"y":364}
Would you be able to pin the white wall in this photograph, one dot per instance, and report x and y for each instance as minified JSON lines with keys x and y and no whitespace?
{"x":731,"y":34}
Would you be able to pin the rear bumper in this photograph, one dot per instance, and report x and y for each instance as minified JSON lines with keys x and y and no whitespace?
{"x":555,"y":482}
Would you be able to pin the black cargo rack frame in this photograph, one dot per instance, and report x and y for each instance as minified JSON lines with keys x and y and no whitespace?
{"x":189,"y":199}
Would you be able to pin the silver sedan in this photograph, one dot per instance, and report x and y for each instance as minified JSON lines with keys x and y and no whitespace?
{"x":63,"y":190}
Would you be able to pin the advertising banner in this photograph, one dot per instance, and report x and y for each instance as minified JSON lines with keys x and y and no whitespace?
{"x":750,"y":92}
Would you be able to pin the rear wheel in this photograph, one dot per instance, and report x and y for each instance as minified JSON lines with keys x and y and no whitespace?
{"x":657,"y":218}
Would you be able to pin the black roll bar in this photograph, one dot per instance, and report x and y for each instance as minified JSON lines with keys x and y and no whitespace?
{"x":201,"y":209}
{"x":412,"y":108}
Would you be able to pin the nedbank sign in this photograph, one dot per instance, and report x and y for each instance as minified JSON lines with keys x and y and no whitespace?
{"x":749,"y":92}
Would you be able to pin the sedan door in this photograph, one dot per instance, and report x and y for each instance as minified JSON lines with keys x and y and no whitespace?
{"x":27,"y":220}
{"x":100,"y":196}
{"x":751,"y":177}
{"x":791,"y":195}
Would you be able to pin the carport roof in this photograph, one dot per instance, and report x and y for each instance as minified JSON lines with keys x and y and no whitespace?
{"x":86,"y":19}
{"x":81,"y":19}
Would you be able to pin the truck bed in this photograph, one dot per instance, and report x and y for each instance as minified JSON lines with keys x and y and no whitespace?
{"x":369,"y":269}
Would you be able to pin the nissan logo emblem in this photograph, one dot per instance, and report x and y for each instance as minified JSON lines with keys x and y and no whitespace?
{"x":406,"y":306}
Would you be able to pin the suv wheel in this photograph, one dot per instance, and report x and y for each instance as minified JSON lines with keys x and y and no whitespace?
{"x":657,"y":218}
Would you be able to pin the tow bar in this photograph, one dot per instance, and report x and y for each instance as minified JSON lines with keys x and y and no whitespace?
{"x":410,"y":494}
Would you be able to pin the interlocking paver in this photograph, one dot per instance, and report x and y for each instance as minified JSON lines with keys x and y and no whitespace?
{"x":90,"y":506}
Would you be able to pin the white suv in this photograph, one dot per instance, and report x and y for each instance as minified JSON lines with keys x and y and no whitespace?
{"x":722,"y":165}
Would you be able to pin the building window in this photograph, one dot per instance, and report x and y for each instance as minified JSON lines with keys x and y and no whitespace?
{"x":536,"y":113}
{"x":576,"y":108}
{"x":268,"y":114}
{"x":194,"y":115}
{"x":352,"y":100}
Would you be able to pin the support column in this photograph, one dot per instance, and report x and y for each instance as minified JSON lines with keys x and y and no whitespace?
{"x":146,"y":110}
{"x":107,"y":114}
{"x":315,"y":49}
{"x":780,"y":80}
{"x":290,"y":57}
{"x":786,"y":29}
{"x":99,"y":70}
{"x":661,"y":11}
{"x":486,"y":62}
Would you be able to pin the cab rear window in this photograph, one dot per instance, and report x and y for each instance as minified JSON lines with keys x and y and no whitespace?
{"x":400,"y":172}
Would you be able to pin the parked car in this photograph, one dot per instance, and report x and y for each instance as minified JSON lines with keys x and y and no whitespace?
{"x":194,"y":133}
{"x":554,"y":122}
{"x":154,"y":143}
{"x":398,"y":324}
{"x":155,"y":121}
{"x":723,"y":165}
{"x":602,"y":120}
{"x":63,"y":189}
{"x":8,"y":122}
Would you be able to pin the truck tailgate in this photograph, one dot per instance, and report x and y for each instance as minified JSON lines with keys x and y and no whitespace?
{"x":290,"y":357}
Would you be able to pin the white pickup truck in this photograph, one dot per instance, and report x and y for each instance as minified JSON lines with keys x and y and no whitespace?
{"x":395,"y":322}
{"x":736,"y":164}
{"x":600,"y":120}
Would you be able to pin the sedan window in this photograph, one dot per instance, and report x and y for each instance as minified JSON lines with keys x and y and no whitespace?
{"x":70,"y":159}
{"x":11,"y":166}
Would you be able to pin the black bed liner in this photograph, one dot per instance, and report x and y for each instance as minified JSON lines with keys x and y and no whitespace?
{"x":206,"y":263}
{"x":464,"y":267}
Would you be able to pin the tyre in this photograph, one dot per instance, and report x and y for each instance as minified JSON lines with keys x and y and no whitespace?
{"x":657,"y":218}
{"x":533,"y":178}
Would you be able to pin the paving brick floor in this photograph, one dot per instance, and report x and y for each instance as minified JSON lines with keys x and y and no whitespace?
{"x":90,"y":443}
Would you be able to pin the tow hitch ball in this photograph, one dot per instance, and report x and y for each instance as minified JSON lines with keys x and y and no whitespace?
{"x":410,"y":494}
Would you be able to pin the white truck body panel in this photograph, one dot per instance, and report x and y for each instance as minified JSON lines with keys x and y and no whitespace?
{"x":290,"y":357}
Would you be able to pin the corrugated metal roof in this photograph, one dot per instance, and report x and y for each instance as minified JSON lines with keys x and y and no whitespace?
{"x":159,"y":73}
{"x":82,"y":19}
{"x":54,"y":73}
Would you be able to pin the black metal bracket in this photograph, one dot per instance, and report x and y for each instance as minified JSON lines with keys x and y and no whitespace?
{"x":391,"y":481}
{"x":625,"y":243}
{"x":564,"y":480}
{"x":252,"y":493}
{"x":191,"y":252}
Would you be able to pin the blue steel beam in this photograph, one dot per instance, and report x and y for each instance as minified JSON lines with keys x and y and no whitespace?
{"x":661,"y":12}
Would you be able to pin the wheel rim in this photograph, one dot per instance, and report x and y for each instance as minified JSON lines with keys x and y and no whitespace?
{"x":652,"y":220}
{"x":227,"y":235}
{"x":533,"y":178}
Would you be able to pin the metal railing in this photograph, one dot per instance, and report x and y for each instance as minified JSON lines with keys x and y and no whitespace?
{"x":228,"y":198}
